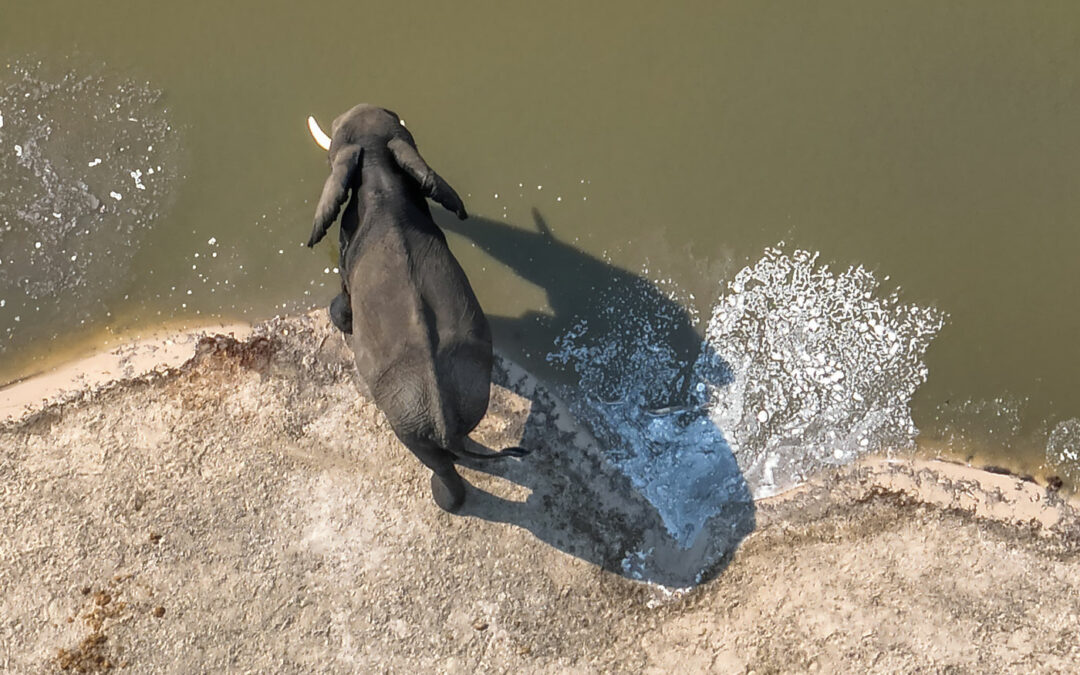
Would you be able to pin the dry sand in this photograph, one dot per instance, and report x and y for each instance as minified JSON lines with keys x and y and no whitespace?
{"x":247,"y":511}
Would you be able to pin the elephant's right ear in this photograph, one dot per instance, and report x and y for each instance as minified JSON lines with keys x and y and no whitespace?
{"x":343,"y":166}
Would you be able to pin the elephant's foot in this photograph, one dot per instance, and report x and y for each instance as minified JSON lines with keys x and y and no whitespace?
{"x":448,"y":490}
{"x":341,"y":313}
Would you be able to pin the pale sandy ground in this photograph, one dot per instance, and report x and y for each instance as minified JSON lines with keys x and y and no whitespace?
{"x":248,"y":512}
{"x":159,"y":350}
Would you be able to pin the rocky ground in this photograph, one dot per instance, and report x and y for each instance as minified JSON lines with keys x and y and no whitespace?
{"x":249,"y":512}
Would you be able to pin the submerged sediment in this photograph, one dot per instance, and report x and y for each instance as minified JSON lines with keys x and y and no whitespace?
{"x":246,"y":509}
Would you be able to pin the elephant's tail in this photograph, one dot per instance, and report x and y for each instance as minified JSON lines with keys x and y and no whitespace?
{"x":514,"y":451}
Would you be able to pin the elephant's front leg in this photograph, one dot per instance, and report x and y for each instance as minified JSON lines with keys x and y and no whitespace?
{"x":341,"y":311}
{"x":341,"y":306}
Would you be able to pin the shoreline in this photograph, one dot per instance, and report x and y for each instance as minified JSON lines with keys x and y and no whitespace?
{"x":241,"y":503}
{"x":161,"y":349}
{"x":168,"y":348}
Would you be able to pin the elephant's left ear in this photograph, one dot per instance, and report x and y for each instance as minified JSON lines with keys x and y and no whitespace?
{"x":343,"y":168}
{"x":409,"y":159}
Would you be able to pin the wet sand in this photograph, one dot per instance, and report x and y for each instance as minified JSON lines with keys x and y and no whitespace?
{"x":160,"y":350}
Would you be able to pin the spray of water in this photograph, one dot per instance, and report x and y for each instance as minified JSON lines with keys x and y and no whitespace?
{"x":825,"y":365}
{"x":86,"y":166}
{"x":1063,"y":449}
{"x":801,"y":367}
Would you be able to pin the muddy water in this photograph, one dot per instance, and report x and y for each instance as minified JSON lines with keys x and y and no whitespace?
{"x":154,"y":167}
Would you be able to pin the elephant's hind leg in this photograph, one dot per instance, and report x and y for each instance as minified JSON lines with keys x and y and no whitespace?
{"x":447,"y":486}
{"x":448,"y":490}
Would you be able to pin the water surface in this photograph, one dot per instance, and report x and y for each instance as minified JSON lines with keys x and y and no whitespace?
{"x":932,"y":145}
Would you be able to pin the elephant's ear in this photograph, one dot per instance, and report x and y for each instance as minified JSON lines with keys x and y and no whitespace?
{"x":343,"y":167}
{"x":430,"y":182}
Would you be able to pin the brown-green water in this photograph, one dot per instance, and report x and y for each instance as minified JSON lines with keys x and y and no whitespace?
{"x":935,"y":144}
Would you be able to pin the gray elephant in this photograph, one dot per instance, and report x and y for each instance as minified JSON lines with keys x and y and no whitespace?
{"x":422,"y":344}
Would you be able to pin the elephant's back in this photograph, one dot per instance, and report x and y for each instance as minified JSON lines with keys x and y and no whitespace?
{"x":419,"y":335}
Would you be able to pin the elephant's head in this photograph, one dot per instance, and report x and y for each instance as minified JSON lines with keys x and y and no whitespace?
{"x":369,"y":129}
{"x":359,"y":121}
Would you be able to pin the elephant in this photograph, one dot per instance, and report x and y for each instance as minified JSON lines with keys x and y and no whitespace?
{"x":421,"y":342}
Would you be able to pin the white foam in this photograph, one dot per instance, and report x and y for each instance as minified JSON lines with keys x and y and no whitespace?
{"x":1063,"y":449}
{"x":801,"y":368}
{"x":830,"y":360}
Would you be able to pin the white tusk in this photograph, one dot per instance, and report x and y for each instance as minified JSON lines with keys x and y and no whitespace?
{"x":318,"y":134}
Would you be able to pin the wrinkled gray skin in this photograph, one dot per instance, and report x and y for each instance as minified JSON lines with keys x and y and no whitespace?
{"x":421,"y":341}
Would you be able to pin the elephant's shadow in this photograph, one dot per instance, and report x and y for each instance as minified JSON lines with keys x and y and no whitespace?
{"x":578,"y":286}
{"x":570,"y":495}
{"x":578,"y":498}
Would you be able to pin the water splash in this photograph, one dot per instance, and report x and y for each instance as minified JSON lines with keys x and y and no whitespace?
{"x":825,"y":366}
{"x":1063,"y":449}
{"x":86,"y":165}
{"x":634,"y":365}
{"x":801,"y":368}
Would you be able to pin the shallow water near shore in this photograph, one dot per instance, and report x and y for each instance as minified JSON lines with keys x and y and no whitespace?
{"x":154,"y":167}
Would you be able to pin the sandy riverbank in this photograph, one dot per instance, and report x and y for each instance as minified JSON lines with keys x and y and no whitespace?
{"x":159,"y":350}
{"x":245,"y":510}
